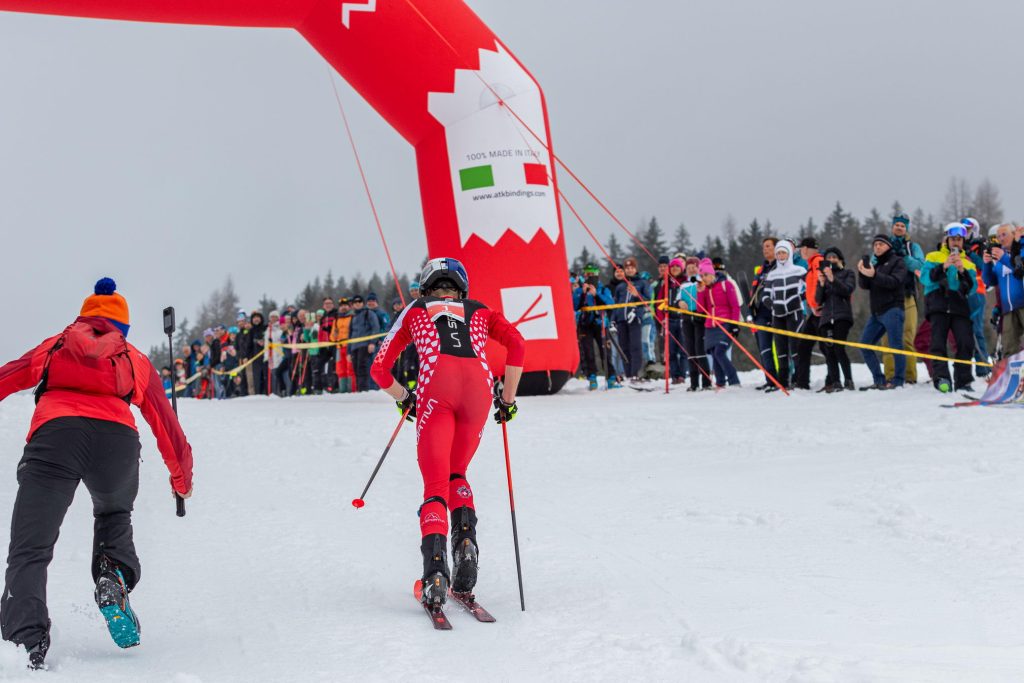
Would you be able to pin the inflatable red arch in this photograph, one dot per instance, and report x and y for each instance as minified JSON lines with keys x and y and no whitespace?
{"x":440,"y":77}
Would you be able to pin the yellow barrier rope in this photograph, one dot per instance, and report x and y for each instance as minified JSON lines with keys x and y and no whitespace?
{"x":293,"y":347}
{"x":800,"y":335}
{"x":609,"y":307}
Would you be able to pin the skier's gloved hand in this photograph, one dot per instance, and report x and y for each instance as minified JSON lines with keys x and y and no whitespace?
{"x":505,"y":411}
{"x":734,"y":330}
{"x":409,"y":403}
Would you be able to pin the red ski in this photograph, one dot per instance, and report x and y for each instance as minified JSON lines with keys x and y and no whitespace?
{"x":469,"y":603}
{"x":437,"y":616}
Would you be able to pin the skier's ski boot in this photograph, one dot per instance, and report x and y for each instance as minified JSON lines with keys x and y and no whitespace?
{"x":593,"y":382}
{"x":37,"y":653}
{"x":465,"y":552}
{"x":613,"y":383}
{"x":436,"y":577}
{"x":112,"y":599}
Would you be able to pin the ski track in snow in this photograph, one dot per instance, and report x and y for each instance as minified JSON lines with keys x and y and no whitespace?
{"x":712,"y":537}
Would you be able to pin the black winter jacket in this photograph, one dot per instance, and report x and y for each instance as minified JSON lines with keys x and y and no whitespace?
{"x":885,"y":289}
{"x":834,"y":297}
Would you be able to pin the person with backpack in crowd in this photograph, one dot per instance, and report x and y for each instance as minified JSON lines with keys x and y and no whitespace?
{"x":783,"y":292}
{"x":717,"y":297}
{"x":365,"y":323}
{"x":450,"y":406}
{"x":86,"y":378}
{"x":804,"y":347}
{"x":949,"y":278}
{"x":761,"y":312}
{"x":629,"y":321}
{"x":385,"y":324}
{"x":590,"y":326}
{"x":833,"y":297}
{"x":1004,"y":269}
{"x":884,"y":276}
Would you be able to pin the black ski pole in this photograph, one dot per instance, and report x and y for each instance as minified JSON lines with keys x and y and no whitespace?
{"x":359,"y":502}
{"x":512,"y":506}
{"x":179,"y":502}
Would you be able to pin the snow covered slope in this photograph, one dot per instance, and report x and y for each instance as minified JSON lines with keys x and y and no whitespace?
{"x":719,"y":537}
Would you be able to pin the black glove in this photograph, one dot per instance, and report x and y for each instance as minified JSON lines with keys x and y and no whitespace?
{"x":505,"y":411}
{"x":408,"y":404}
{"x":733,"y":329}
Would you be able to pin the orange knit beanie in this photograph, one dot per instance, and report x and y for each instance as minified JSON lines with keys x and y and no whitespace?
{"x":107,"y":303}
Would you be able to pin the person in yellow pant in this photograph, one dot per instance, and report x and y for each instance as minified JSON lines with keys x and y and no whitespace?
{"x":913,"y":256}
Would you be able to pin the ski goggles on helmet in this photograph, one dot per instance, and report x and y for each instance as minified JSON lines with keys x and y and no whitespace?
{"x":956,"y":230}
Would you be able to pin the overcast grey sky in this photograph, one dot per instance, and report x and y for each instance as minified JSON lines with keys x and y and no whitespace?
{"x":171,"y":156}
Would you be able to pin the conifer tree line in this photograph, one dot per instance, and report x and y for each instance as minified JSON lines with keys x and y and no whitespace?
{"x":223,"y":304}
{"x":741,"y":249}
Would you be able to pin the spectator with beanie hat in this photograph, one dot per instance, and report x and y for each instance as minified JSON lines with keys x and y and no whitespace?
{"x":883,"y":276}
{"x":913,"y":257}
{"x":87,"y":377}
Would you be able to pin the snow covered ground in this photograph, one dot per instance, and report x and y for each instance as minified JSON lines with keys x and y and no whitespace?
{"x":713,"y":537}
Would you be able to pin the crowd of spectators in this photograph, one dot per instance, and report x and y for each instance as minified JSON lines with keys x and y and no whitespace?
{"x":799,"y":288}
{"x":804,"y":289}
{"x":292,"y":351}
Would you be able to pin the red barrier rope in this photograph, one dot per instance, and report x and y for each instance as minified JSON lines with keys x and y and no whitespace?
{"x":366,"y":186}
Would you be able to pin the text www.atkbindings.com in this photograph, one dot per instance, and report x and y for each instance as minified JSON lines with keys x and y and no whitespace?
{"x":529,"y":194}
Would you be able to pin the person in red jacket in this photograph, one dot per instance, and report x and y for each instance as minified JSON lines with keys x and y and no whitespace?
{"x":86,"y":379}
{"x":452,"y":399}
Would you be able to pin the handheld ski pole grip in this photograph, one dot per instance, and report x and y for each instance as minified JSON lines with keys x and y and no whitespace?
{"x":179,"y":503}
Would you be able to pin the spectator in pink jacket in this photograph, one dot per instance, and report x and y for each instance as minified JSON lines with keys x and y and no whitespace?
{"x":717,"y":297}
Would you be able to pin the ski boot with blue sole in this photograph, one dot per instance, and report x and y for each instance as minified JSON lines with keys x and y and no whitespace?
{"x":112,"y":599}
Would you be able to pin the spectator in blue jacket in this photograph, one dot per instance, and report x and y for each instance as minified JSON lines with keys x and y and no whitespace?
{"x":1003,"y":268}
{"x":629,"y":321}
{"x":365,"y":323}
{"x":590,"y":326}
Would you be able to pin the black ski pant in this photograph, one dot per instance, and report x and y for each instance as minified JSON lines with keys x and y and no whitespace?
{"x":784,"y":344}
{"x":765,"y":347}
{"x":963,"y":334}
{"x":676,"y":352}
{"x":326,"y":364}
{"x":259,"y":377}
{"x":361,"y":360}
{"x":592,"y":347}
{"x":64,"y":451}
{"x":693,"y":339}
{"x":836,"y":357}
{"x":631,"y":340}
{"x":804,"y":349}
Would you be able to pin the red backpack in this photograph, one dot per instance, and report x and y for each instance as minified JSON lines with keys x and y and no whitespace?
{"x":90,"y":361}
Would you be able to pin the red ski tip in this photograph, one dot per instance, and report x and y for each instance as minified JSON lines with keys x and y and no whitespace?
{"x":358,"y":503}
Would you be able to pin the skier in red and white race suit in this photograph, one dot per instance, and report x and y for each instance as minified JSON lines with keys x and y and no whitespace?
{"x":453,"y":397}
